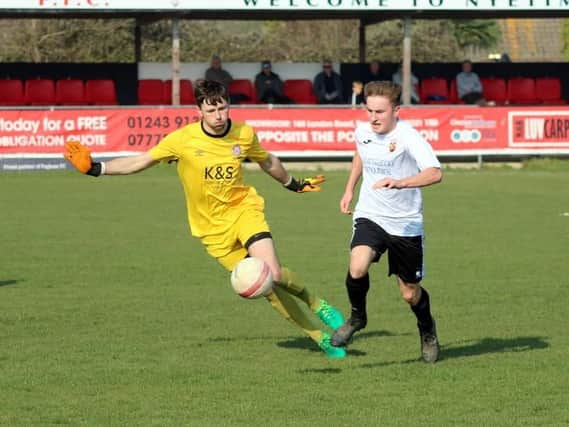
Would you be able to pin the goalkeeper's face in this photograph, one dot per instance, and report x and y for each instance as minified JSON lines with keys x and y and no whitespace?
{"x":215,"y":116}
{"x":382,"y":114}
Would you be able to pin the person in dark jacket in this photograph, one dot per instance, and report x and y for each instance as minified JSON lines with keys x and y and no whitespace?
{"x":328,"y":85}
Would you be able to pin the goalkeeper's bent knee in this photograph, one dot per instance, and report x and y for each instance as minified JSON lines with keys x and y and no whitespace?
{"x":290,"y":281}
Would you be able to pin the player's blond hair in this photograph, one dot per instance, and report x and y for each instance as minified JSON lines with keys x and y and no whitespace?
{"x":211,"y":92}
{"x":390,"y":90}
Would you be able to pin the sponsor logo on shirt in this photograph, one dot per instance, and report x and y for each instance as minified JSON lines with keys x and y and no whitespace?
{"x":217,"y":173}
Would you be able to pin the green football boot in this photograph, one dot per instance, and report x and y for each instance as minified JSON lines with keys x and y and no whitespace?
{"x":327,"y":347}
{"x":329,"y":315}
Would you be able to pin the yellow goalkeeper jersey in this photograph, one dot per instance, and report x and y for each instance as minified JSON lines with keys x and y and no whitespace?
{"x":209,"y":167}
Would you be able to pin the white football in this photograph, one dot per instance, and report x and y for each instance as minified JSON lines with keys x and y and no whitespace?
{"x":252,"y":278}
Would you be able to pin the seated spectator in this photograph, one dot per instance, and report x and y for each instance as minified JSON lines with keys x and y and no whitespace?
{"x":357,"y":93}
{"x":217,"y":73}
{"x":328,"y":85}
{"x":374,"y":73}
{"x":269,"y":85}
{"x":468,"y":85}
{"x":397,"y":78}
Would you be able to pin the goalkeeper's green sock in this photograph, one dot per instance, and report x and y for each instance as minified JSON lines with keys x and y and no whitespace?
{"x":291,"y":283}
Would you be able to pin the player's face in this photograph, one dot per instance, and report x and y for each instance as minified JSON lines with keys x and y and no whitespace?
{"x":215,"y":116}
{"x":382,"y":115}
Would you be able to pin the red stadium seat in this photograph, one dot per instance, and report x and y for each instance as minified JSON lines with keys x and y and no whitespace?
{"x":40,"y":92}
{"x":521,"y":90}
{"x":494,"y":90}
{"x":454,"y":99}
{"x":435,"y":90}
{"x":299,"y":91}
{"x":243,"y":87}
{"x":186,"y":92}
{"x":70,"y":92}
{"x":12,"y":92}
{"x":101,"y":92}
{"x":548,"y":90}
{"x":150,"y":92}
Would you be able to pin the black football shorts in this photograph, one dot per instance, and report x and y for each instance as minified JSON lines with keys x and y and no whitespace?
{"x":404,"y":254}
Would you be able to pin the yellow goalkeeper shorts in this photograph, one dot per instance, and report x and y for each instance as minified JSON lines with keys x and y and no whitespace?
{"x":229,"y":248}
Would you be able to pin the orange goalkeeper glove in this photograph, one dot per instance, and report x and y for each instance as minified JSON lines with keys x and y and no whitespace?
{"x":305,"y":185}
{"x":80,"y":157}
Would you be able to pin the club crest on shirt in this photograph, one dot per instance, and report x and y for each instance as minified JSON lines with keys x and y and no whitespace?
{"x":236,"y":150}
{"x":392,"y":146}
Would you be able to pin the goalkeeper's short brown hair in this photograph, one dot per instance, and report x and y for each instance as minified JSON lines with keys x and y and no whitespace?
{"x":390,"y":90}
{"x":211,"y":92}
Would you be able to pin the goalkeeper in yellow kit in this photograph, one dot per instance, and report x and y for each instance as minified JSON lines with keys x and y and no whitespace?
{"x":224,"y":213}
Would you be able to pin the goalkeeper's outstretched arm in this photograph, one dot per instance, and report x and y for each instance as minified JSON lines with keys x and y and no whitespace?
{"x":129,"y":165}
{"x":273,"y":166}
{"x":80,"y":157}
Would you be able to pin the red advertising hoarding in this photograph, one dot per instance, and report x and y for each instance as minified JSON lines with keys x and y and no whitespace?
{"x":41,"y":134}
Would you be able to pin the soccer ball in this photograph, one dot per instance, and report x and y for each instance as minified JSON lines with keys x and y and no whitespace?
{"x":252,"y":278}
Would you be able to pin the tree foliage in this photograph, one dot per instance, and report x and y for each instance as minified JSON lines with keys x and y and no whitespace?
{"x":480,"y":33}
{"x":244,"y":41}
{"x":39,"y":40}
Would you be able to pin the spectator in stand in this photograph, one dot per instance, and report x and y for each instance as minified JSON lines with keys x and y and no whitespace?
{"x":397,"y":78}
{"x":468,"y":85}
{"x":328,"y":85}
{"x":217,"y":73}
{"x":269,"y":85}
{"x":375,"y":73}
{"x":357,"y":93}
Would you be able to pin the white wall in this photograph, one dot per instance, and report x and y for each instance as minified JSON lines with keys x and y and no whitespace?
{"x":239,"y":70}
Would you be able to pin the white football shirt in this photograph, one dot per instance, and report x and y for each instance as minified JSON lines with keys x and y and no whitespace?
{"x":401,"y":153}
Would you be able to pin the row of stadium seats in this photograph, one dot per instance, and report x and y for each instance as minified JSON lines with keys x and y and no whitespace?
{"x":156,"y":91}
{"x":42,"y":92}
{"x":513,"y":91}
{"x":13,"y":92}
{"x":57,"y":92}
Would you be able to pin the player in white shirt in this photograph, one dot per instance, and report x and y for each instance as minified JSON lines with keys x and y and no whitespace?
{"x":395,"y":161}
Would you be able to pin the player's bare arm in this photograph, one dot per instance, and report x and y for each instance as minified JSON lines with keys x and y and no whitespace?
{"x":129,"y":165}
{"x":273,"y":166}
{"x":426,"y":177}
{"x":355,"y":174}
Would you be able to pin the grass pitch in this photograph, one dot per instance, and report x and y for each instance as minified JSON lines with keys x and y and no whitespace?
{"x":112,"y":315}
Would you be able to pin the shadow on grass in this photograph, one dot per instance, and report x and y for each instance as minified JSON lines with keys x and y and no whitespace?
{"x":320,"y":371}
{"x":478,"y":348}
{"x":299,"y":343}
{"x":372,"y":334}
{"x":9,"y":282}
{"x":308,"y":344}
{"x":495,"y":345}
